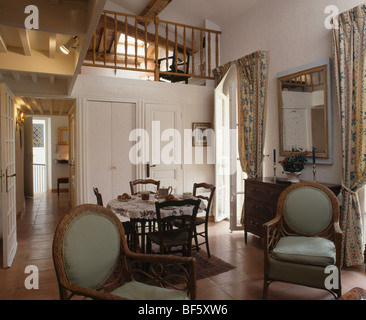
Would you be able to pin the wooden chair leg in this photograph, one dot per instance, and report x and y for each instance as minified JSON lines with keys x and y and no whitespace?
{"x":206,"y":239}
{"x":265,"y":289}
{"x":196,"y":239}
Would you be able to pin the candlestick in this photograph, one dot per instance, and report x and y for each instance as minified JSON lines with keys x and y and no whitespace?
{"x":274,"y":171}
{"x":314,"y":173}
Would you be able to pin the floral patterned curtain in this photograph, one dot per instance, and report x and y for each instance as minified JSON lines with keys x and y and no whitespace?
{"x":349,"y":42}
{"x":252,"y":100}
{"x":252,"y":97}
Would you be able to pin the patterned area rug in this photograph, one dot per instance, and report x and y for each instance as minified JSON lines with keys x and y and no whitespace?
{"x":208,"y":267}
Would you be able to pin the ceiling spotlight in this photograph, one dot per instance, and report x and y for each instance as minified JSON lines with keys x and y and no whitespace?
{"x":65,"y":48}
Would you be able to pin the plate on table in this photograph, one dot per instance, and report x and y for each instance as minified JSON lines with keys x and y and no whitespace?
{"x":187,"y":197}
{"x":124,"y":200}
{"x":169,"y":208}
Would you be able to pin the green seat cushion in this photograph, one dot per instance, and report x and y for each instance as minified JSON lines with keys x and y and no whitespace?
{"x":303,"y":274}
{"x":139,"y":291}
{"x":305,"y":250}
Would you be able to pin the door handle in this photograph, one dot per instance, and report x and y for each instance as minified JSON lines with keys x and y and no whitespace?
{"x":12,"y":175}
{"x":1,"y":180}
{"x":148,"y":166}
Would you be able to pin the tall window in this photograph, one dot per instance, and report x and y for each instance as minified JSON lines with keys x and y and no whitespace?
{"x":132,"y":50}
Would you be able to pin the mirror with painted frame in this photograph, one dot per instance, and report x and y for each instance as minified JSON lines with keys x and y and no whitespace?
{"x":63,"y":135}
{"x":305,"y":111}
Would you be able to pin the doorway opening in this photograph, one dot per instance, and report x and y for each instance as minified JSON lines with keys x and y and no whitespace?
{"x":39,"y":156}
{"x":46,"y":145}
{"x":229,"y":175}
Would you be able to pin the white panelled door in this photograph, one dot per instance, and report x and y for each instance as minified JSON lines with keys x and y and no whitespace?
{"x":107,"y":152}
{"x":222,"y":165}
{"x":7,"y":173}
{"x":165,"y":130}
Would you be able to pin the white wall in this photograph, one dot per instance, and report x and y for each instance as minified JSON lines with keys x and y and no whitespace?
{"x":293,"y":32}
{"x":58,"y":169}
{"x":197,"y":103}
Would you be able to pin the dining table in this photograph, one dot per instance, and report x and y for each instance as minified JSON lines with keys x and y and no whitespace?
{"x":141,"y":214}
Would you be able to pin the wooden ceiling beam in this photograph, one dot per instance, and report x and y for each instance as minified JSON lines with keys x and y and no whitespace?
{"x":34,"y":77}
{"x":24,"y":38}
{"x":28,"y":105}
{"x":16,"y":75}
{"x":3,"y":47}
{"x":62,"y":105}
{"x":51,"y":103}
{"x":71,"y":108}
{"x":154,"y":8}
{"x":39,"y":106}
{"x":52,"y":46}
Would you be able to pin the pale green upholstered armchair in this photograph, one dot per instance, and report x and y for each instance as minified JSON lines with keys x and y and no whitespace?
{"x":92,"y":260}
{"x":304,"y":239}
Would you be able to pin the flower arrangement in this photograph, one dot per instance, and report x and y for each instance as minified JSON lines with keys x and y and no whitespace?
{"x":295,"y":162}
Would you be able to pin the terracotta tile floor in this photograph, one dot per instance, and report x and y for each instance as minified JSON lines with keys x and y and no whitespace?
{"x":35,"y":233}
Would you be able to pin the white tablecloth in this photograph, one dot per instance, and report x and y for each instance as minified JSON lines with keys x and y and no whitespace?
{"x":136,"y":208}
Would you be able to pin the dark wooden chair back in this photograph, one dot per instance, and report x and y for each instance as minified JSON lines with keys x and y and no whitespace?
{"x":98,"y":196}
{"x":180,"y":235}
{"x":143,"y":182}
{"x":209,"y":198}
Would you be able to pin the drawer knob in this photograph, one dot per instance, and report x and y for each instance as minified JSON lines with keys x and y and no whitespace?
{"x":255,"y":224}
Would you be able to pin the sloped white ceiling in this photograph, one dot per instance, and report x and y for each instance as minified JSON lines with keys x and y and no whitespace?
{"x":194,"y":12}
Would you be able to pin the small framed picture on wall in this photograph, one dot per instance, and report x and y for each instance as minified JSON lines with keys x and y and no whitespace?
{"x":199,"y":137}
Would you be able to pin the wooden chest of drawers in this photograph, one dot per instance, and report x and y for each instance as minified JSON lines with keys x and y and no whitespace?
{"x":260,"y":204}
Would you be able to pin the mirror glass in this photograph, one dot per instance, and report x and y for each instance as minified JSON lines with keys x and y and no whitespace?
{"x":304,"y":111}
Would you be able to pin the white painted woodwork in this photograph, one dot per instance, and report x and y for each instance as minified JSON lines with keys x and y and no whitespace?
{"x":7,"y":173}
{"x":3,"y":46}
{"x":52,"y":46}
{"x":107,"y":149}
{"x":164,"y":126}
{"x":72,"y":160}
{"x":24,"y":38}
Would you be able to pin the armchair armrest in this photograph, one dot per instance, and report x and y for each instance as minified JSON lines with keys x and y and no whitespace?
{"x":338,"y":238}
{"x":158,"y":270}
{"x":272,"y":231}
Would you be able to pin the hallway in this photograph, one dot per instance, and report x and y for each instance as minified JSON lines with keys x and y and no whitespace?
{"x":36,"y":227}
{"x":35,"y":234}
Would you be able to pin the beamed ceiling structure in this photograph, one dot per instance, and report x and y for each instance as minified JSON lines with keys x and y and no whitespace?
{"x":31,"y":62}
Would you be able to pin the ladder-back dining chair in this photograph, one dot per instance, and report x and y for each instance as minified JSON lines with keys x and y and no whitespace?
{"x":175,"y":226}
{"x":197,"y":188}
{"x":134,"y":183}
{"x":98,"y":196}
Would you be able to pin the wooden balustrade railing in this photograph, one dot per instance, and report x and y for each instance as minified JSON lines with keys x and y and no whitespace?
{"x":128,"y":42}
